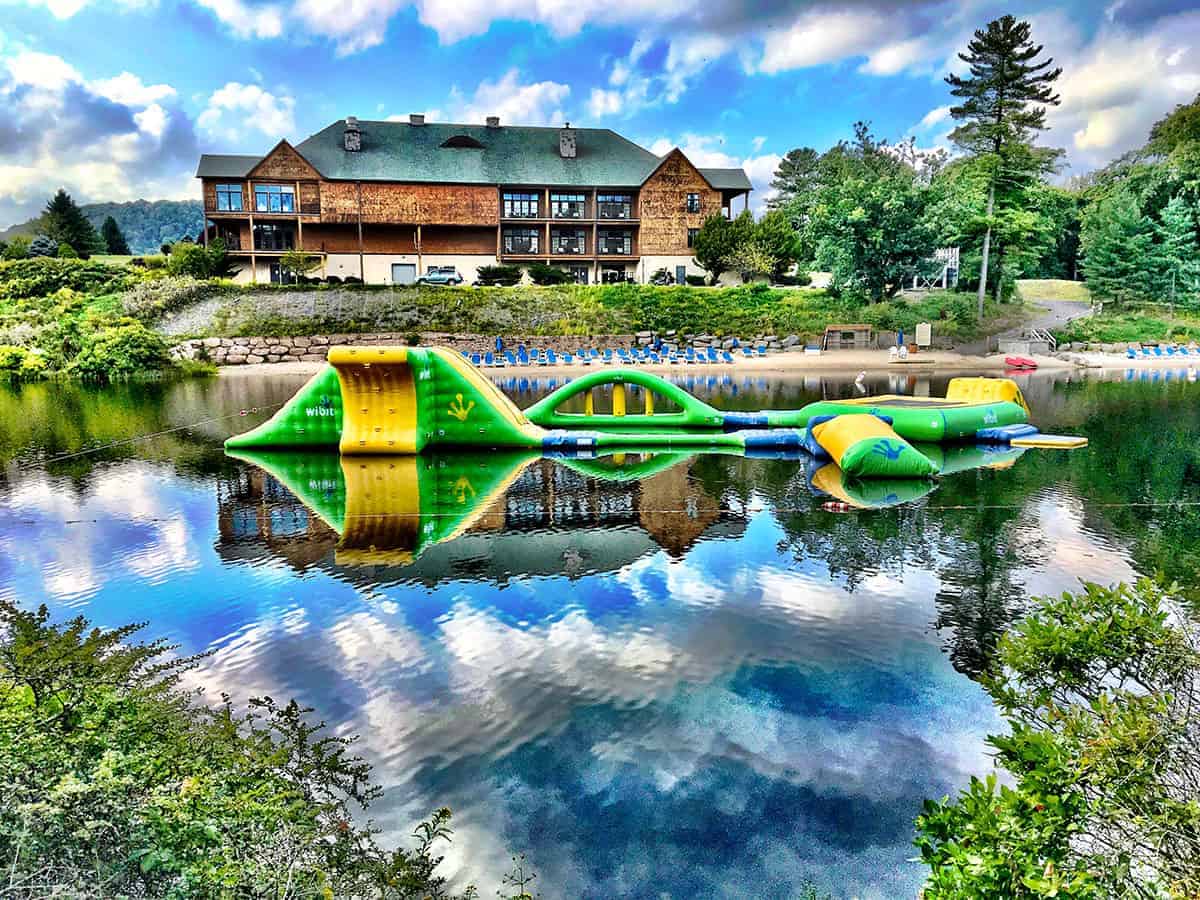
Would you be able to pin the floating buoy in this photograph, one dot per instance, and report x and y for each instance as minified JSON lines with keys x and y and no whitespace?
{"x":838,"y":506}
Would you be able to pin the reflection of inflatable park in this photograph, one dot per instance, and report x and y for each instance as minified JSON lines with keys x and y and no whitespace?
{"x":588,"y":513}
{"x":467,"y":514}
{"x":401,"y":401}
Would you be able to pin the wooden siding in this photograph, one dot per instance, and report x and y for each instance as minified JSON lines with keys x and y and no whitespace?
{"x":465,"y":241}
{"x":421,"y":204}
{"x":662,"y":207}
{"x":284,"y":164}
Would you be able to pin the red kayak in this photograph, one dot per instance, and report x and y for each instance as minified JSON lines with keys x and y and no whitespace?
{"x":1019,"y":362}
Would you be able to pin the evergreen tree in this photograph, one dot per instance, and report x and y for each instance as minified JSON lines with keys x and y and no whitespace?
{"x":1178,"y":255}
{"x":114,"y":239}
{"x":1119,"y":251}
{"x":66,"y":224}
{"x":42,"y":245}
{"x":1003,"y":107}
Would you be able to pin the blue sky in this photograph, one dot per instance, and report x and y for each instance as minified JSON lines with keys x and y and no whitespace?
{"x":114,"y":99}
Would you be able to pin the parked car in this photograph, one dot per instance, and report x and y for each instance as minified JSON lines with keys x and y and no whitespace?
{"x":441,"y":275}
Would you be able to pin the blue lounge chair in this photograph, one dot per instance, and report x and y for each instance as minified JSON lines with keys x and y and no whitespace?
{"x":1157,"y":350}
{"x":523,"y":355}
{"x":1129,"y":351}
{"x":762,"y":349}
{"x":655,"y":358}
{"x":1171,"y":350}
{"x":673,"y":358}
{"x":489,"y":359}
{"x":551,"y":357}
{"x":475,"y":358}
{"x":689,"y":356}
{"x":746,"y":351}
{"x":712,"y":355}
{"x":608,"y":356}
{"x":541,"y":358}
{"x":1146,"y":351}
{"x":727,"y":356}
{"x":511,"y":357}
{"x":567,"y":358}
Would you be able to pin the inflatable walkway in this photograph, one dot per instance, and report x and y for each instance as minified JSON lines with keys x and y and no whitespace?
{"x":403,"y":400}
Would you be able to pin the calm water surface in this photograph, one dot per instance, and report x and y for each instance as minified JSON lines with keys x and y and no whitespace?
{"x":657,"y":676}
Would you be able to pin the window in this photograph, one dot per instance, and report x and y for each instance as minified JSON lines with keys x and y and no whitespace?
{"x":562,"y":241}
{"x":579,"y":273}
{"x":229,"y":197}
{"x":613,"y":276}
{"x":520,"y":206}
{"x":692,"y":232}
{"x":567,"y":206}
{"x":615,"y":243}
{"x":282,"y":275}
{"x":274,"y":237}
{"x":614,"y":206}
{"x":462,"y":142}
{"x":274,"y":198}
{"x":521,"y":240}
{"x":693,"y":203}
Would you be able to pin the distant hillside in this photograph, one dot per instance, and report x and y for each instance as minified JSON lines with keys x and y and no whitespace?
{"x":146,"y":223}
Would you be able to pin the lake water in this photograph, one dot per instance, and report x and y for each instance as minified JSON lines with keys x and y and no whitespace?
{"x":656,"y":676}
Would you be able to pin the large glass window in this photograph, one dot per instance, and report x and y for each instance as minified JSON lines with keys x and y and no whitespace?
{"x":692,"y":232}
{"x":693,"y":203}
{"x":229,"y":197}
{"x":274,"y":237}
{"x":520,"y":206}
{"x":614,"y":206}
{"x":568,"y":241}
{"x":274,"y":198}
{"x":521,"y":240}
{"x":615,"y":243}
{"x":567,"y":206}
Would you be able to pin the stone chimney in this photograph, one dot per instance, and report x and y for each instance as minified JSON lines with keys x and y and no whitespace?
{"x":566,"y":142}
{"x":352,"y":136}
{"x":493,"y":121}
{"x":416,"y":118}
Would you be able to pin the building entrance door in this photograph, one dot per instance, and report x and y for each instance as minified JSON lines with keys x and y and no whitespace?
{"x":404,"y":273}
{"x":681,"y":274}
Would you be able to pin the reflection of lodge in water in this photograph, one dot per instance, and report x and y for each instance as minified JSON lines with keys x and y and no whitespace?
{"x":585,"y":520}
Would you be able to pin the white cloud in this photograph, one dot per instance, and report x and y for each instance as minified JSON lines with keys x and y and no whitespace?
{"x":758,"y":142}
{"x":352,"y":26}
{"x":238,"y":108}
{"x":105,"y":139}
{"x":818,"y":38}
{"x":604,"y":103}
{"x":933,"y":117}
{"x":66,"y":9}
{"x":250,"y":21}
{"x":1116,"y":86}
{"x":129,"y":90}
{"x":537,"y":103}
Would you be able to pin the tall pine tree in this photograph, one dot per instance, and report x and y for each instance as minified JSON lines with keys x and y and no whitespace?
{"x":1002,"y":108}
{"x":1178,"y":254}
{"x":114,"y":239}
{"x":1118,"y":243}
{"x":66,"y":223}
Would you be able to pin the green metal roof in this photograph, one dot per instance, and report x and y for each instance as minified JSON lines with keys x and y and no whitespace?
{"x":728,"y":179}
{"x":220,"y":165}
{"x":511,"y":154}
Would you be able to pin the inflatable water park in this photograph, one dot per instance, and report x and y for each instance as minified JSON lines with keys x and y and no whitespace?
{"x":408,"y":401}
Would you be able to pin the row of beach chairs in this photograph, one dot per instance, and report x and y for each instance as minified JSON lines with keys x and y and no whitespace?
{"x":1151,"y":352}
{"x":636,"y":356}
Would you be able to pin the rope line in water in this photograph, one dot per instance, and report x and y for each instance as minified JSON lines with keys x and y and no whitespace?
{"x":743,"y":513}
{"x":146,"y":437}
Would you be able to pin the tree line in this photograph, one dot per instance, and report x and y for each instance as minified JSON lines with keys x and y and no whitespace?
{"x":872,"y":213}
{"x":65,"y":232}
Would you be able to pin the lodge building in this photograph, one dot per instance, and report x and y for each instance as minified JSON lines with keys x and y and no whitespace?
{"x":387,"y":202}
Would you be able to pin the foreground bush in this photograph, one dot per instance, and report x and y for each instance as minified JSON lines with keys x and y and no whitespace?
{"x":115,"y":782}
{"x":43,"y":276}
{"x":150,"y":299}
{"x":1101,"y":690}
{"x":21,"y":363}
{"x":118,"y":350}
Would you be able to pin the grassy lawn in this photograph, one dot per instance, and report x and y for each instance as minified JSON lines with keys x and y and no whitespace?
{"x":1134,"y":325}
{"x":596,"y":310}
{"x":1053,"y":289}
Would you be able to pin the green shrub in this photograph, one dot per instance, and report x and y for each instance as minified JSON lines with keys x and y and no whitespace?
{"x":118,"y":350}
{"x":154,"y":297}
{"x":22,"y":363}
{"x":543,"y":273}
{"x":18,"y":247}
{"x":498,"y":275}
{"x":1100,"y":690}
{"x":43,"y":246}
{"x":43,"y":276}
{"x":66,"y":251}
{"x":118,"y":783}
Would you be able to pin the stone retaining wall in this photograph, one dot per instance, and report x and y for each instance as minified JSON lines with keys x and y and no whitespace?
{"x":239,"y":351}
